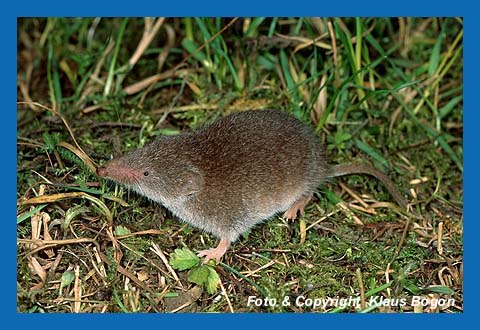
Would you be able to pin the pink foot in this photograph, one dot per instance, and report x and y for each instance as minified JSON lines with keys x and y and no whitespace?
{"x":215,"y":253}
{"x":296,"y":207}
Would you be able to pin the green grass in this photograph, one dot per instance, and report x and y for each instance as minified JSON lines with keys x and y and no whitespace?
{"x":386,"y":91}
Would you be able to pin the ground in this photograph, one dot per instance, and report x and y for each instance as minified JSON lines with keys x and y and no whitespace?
{"x":384,"y":91}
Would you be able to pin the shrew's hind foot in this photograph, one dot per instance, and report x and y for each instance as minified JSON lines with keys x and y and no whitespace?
{"x":298,"y":206}
{"x":215,"y":253}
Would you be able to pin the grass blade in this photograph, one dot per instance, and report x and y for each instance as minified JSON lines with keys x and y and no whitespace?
{"x":446,"y":109}
{"x":372,"y":153}
{"x":253,"y":27}
{"x":28,"y":214}
{"x":111,"y":71}
{"x":435,"y":55}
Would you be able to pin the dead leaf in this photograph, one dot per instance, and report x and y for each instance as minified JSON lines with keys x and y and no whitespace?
{"x":185,"y":301}
{"x":35,"y":267}
{"x":321,"y":103}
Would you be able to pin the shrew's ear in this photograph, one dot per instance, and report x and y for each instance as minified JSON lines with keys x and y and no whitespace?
{"x":191,"y":182}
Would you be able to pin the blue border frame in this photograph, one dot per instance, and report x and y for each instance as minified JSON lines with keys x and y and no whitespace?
{"x":241,"y":8}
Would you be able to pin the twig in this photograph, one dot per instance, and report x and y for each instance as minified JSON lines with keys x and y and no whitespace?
{"x":439,"y":238}
{"x":350,"y":213}
{"x":361,"y":287}
{"x":156,"y":249}
{"x":142,"y":232}
{"x":268,"y":264}
{"x":226,"y":297}
{"x":77,"y":290}
{"x":320,"y":220}
{"x":353,"y":194}
{"x":148,"y":33}
{"x":334,"y":45}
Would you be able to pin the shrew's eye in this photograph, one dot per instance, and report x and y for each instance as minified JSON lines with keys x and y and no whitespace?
{"x":145,"y":173}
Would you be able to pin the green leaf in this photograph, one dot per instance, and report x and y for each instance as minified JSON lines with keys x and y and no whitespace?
{"x":199,"y":55}
{"x":66,"y":279}
{"x":167,"y":131}
{"x":444,"y":144}
{"x":372,"y":153}
{"x":391,"y":90}
{"x":71,"y":213}
{"x":286,"y":71}
{"x":27,"y":215}
{"x":332,"y":198}
{"x":171,"y":295}
{"x":341,"y":137}
{"x":121,"y":230}
{"x":435,"y":55}
{"x":439,"y":289}
{"x":86,"y":190}
{"x":231,"y":67}
{"x":412,"y":287}
{"x":199,"y":275}
{"x":50,"y":141}
{"x":253,"y":27}
{"x":203,"y":28}
{"x":191,"y":47}
{"x":111,"y":70}
{"x":273,"y":25}
{"x":266,"y":61}
{"x":183,"y":259}
{"x":291,"y":85}
{"x":213,"y":281}
{"x":446,"y":109}
{"x":56,"y":82}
